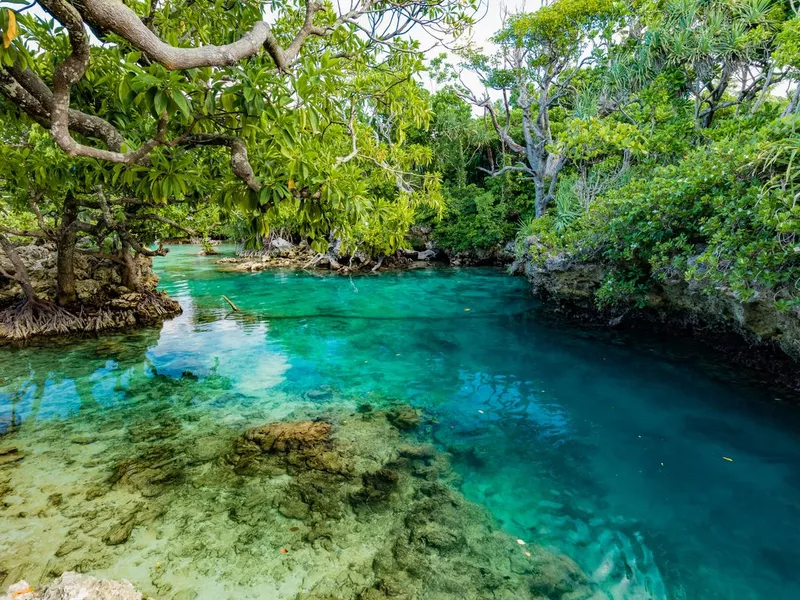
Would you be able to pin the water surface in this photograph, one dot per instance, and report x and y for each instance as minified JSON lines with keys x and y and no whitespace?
{"x":662,"y":475}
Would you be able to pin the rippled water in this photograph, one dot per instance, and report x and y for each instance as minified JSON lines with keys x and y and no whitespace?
{"x":662,"y":474}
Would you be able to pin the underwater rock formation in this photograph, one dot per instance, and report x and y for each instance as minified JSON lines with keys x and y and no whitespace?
{"x":403,"y":417}
{"x":327,"y":504}
{"x":74,"y":586}
{"x":419,"y":537}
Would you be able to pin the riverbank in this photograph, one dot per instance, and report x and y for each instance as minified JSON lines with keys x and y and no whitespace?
{"x":102,"y":300}
{"x":284,"y":254}
{"x":755,"y":333}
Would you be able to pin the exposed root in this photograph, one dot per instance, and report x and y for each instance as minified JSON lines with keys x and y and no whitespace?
{"x":31,"y":318}
{"x":28,"y":319}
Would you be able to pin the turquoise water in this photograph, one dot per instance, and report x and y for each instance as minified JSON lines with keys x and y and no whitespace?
{"x":661,"y":475}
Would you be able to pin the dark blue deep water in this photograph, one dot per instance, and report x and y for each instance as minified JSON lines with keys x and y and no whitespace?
{"x":662,"y":473}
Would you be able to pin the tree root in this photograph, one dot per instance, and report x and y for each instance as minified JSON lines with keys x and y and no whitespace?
{"x":32,"y":318}
{"x":28,"y":319}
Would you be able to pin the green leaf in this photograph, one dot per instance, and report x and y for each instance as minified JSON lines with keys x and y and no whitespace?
{"x":183,"y":103}
{"x":160,"y":102}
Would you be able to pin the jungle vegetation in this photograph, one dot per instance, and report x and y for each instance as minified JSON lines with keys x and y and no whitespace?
{"x":657,"y":136}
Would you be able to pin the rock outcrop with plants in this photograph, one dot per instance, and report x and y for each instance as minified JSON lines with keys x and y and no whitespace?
{"x":578,"y":285}
{"x":105,"y":299}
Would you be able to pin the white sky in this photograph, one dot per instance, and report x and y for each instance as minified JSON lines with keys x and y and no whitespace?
{"x":489,"y":24}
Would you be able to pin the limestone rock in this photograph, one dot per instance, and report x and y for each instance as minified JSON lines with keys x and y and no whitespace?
{"x":570,"y":283}
{"x":10,"y":456}
{"x":105,"y":304}
{"x":423,"y":452}
{"x":74,"y":586}
{"x":281,"y":244}
{"x":120,"y":532}
{"x":287,"y":437}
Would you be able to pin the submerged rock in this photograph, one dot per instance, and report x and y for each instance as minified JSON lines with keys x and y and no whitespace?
{"x":120,"y":531}
{"x":9,"y":456}
{"x":74,"y":586}
{"x":403,"y":417}
{"x":284,"y":438}
{"x":409,"y":536}
{"x":332,"y":504}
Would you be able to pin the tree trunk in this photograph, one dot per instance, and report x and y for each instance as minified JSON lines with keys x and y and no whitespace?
{"x":793,"y":103}
{"x":541,"y":198}
{"x":65,"y":247}
{"x":130,"y":278}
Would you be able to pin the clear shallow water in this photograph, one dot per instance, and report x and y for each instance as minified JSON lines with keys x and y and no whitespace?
{"x":611,"y":452}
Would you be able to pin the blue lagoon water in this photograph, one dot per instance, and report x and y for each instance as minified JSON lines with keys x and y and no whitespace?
{"x":660,"y":472}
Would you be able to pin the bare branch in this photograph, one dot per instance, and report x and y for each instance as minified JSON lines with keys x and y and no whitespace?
{"x":170,"y":222}
{"x":23,"y":232}
{"x":518,"y":168}
{"x":351,"y":128}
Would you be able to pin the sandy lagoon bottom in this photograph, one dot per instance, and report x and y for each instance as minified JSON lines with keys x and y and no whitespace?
{"x":429,"y":441}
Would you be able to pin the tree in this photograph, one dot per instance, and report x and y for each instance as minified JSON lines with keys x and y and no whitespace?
{"x":540,"y":55}
{"x":170,"y":82}
{"x":723,"y":49}
{"x":120,"y":111}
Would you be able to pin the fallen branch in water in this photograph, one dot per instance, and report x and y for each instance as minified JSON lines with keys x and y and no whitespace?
{"x":228,"y":300}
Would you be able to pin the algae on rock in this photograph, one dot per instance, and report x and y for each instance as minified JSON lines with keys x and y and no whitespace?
{"x":327,"y":504}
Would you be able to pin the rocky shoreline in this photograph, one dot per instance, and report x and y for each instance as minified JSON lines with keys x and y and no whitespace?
{"x":103,"y":302}
{"x":285,"y":254}
{"x":753,"y":333}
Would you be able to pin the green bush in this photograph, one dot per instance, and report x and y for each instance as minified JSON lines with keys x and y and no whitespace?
{"x":475,"y":219}
{"x":724,"y":215}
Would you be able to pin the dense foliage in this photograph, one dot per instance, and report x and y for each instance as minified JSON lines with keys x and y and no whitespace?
{"x":658,"y":137}
{"x":132,"y":122}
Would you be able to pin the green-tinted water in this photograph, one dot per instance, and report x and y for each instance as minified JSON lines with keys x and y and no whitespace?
{"x":610,"y":452}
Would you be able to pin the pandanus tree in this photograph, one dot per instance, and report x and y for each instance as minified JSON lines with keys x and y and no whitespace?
{"x":282,"y":109}
{"x":723,"y":49}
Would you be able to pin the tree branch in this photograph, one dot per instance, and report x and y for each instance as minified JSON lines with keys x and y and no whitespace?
{"x":37,"y":90}
{"x":351,"y":128}
{"x":170,"y":222}
{"x":502,"y":133}
{"x":113,"y":15}
{"x":519,"y":167}
{"x":20,"y":271}
{"x":70,"y":71}
{"x":240,"y":163}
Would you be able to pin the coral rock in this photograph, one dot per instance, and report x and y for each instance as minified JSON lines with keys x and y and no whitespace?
{"x":74,"y":586}
{"x":403,"y":417}
{"x":288,"y":437}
